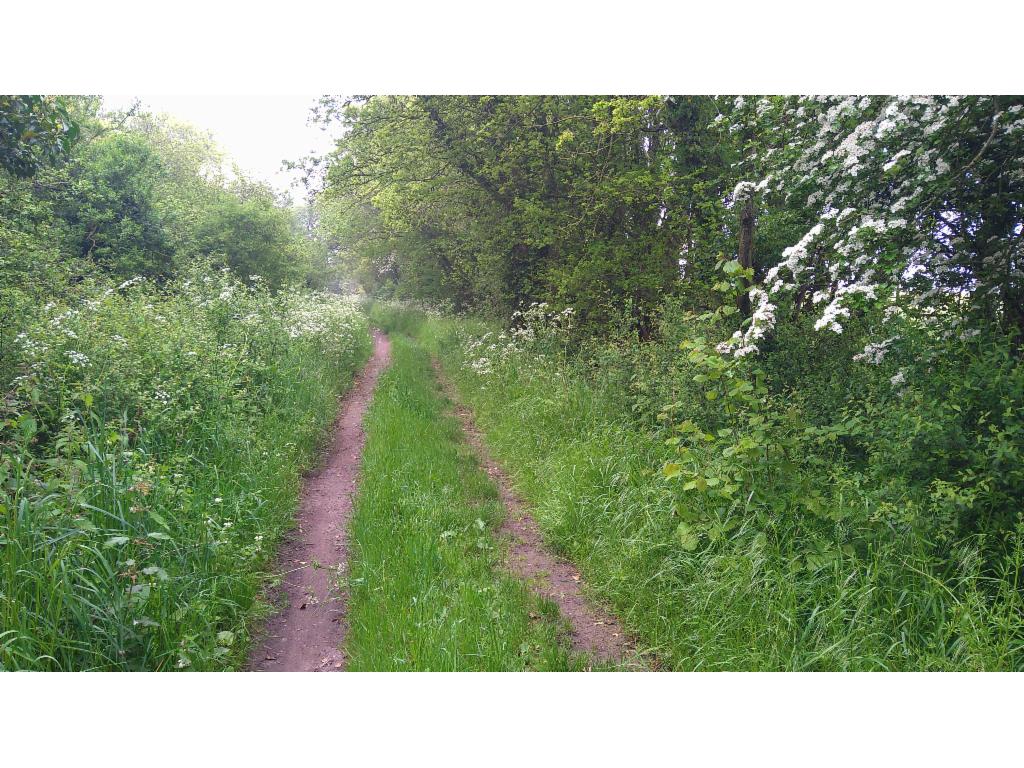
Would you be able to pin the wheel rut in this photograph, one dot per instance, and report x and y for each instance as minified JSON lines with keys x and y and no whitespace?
{"x":594,"y":631}
{"x":307,"y":635}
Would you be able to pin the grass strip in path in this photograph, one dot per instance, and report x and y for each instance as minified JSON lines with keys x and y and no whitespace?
{"x":305,"y":636}
{"x":427,"y":591}
{"x":594,"y":631}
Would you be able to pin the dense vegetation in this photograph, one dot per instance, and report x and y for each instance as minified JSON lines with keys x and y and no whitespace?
{"x":166,"y":376}
{"x":757,"y":361}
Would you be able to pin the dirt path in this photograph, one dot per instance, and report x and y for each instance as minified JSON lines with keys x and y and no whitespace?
{"x":594,"y":631}
{"x":307,"y":634}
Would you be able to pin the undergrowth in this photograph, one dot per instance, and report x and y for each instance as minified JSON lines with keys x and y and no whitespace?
{"x":151,"y":446}
{"x":736,"y":531}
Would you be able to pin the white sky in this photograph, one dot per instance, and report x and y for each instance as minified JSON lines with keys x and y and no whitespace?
{"x":257,"y":131}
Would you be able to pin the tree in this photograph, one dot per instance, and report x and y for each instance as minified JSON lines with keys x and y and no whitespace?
{"x":35,"y":131}
{"x":251,"y":237}
{"x":111,"y":208}
{"x":500,"y":201}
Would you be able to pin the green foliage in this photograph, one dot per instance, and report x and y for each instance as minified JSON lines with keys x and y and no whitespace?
{"x":747,"y":514}
{"x":251,"y":237}
{"x":151,"y":447}
{"x":110,"y":208}
{"x":138,"y":196}
{"x":495,"y":202}
{"x":35,"y":131}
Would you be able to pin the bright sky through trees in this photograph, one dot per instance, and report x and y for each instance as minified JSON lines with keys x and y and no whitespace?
{"x":257,"y":131}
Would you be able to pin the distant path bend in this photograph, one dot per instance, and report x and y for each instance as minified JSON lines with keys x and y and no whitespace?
{"x":306,"y":636}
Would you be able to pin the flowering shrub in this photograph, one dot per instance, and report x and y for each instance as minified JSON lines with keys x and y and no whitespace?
{"x":915,"y":202}
{"x":150,"y":444}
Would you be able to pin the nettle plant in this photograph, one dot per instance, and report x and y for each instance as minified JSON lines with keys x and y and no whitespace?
{"x":715,"y":489}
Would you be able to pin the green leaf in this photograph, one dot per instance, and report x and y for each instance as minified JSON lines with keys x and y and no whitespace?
{"x":671,"y":469}
{"x":687,"y":537}
{"x":116,"y":541}
{"x":225,"y":638}
{"x":153,"y":570}
{"x":159,"y":520}
{"x":139,"y":593}
{"x":28,"y":426}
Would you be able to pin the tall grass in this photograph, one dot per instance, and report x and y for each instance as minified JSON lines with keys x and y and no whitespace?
{"x":426,"y":588}
{"x":146,"y":478}
{"x":753,"y":600}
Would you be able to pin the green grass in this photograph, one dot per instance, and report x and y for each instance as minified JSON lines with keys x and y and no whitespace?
{"x":590,"y":470}
{"x":137,"y":535}
{"x":427,"y":592}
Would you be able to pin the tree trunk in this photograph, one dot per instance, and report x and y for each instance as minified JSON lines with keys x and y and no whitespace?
{"x":746,"y":253}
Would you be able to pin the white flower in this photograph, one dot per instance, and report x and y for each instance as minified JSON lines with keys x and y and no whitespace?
{"x":743,"y":192}
{"x":875,"y":353}
{"x":78,"y":358}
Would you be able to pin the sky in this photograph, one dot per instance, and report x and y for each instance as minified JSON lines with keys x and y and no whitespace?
{"x":257,"y":131}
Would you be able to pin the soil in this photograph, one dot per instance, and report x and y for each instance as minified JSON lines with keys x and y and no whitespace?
{"x":306,"y":635}
{"x":594,"y":631}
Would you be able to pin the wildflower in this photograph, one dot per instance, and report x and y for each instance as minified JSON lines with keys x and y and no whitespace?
{"x":78,"y":358}
{"x":130,"y":283}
